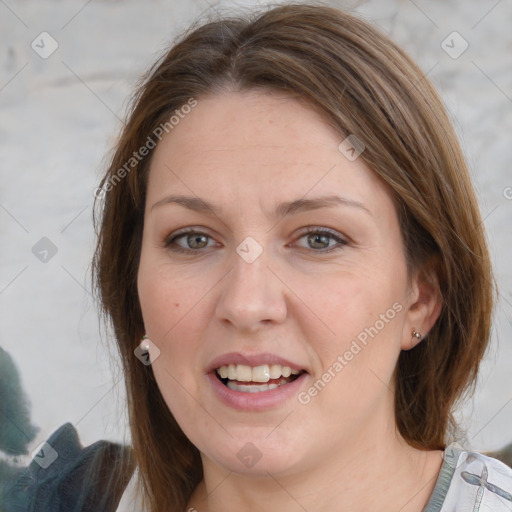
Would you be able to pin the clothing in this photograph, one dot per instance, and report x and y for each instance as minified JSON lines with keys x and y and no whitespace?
{"x":131,"y":500}
{"x":471,"y":482}
{"x":66,"y":477}
{"x":467,"y":482}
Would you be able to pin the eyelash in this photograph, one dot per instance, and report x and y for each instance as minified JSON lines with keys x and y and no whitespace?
{"x":170,"y":242}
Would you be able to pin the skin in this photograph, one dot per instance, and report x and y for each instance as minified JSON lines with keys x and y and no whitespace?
{"x":246,"y":152}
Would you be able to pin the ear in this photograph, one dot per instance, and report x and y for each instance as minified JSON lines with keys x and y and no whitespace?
{"x":425,"y":302}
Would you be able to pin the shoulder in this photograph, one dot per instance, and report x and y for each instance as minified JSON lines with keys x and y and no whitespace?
{"x":471,"y":481}
{"x":65,"y":476}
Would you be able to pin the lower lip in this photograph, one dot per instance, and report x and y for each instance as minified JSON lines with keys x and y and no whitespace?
{"x":256,"y":401}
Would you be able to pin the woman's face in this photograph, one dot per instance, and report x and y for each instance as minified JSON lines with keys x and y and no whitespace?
{"x":299,"y":263}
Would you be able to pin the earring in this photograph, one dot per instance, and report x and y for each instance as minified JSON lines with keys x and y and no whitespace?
{"x":416,"y":334}
{"x":147,"y":351}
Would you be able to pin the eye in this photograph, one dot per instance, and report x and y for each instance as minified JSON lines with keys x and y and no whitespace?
{"x":319,"y":239}
{"x":190,"y":239}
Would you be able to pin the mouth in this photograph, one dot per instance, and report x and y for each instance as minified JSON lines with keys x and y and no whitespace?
{"x":256,"y":379}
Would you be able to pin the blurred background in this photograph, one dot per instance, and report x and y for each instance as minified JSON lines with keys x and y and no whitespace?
{"x":67,"y":70}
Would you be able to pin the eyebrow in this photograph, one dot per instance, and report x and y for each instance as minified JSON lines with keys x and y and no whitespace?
{"x":282,"y":210}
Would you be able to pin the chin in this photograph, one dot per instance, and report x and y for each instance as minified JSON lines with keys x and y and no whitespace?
{"x":255,"y":456}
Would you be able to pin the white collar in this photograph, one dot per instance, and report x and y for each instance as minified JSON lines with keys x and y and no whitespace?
{"x":131,"y":500}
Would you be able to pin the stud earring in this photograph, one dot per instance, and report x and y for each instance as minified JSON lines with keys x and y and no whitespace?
{"x":144,"y":343}
{"x":416,"y":334}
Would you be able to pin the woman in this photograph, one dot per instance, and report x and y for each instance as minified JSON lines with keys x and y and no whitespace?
{"x":292,"y":258}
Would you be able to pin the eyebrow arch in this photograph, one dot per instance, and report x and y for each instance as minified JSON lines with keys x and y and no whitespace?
{"x":282,"y":210}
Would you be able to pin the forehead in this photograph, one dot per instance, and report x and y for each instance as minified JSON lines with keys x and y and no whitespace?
{"x":257,"y":146}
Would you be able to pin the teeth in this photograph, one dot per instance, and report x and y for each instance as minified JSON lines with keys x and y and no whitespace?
{"x":255,"y":388}
{"x":262,"y":373}
{"x":244,"y":373}
{"x":256,"y":374}
{"x":275,"y":371}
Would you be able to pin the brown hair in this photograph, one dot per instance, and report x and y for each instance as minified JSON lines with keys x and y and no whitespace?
{"x":366,"y":86}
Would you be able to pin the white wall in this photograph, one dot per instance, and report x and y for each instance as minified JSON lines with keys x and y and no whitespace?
{"x":59,"y":117}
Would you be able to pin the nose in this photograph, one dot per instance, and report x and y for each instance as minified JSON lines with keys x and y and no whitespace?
{"x":253,"y":296}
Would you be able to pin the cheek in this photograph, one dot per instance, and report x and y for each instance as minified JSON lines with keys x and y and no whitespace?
{"x":166,"y":296}
{"x":165,"y":302}
{"x":348,"y":302}
{"x":172,"y":313}
{"x":181,"y":394}
{"x":362,"y":315}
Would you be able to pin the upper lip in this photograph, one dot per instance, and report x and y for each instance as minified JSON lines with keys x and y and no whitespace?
{"x":251,"y":360}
